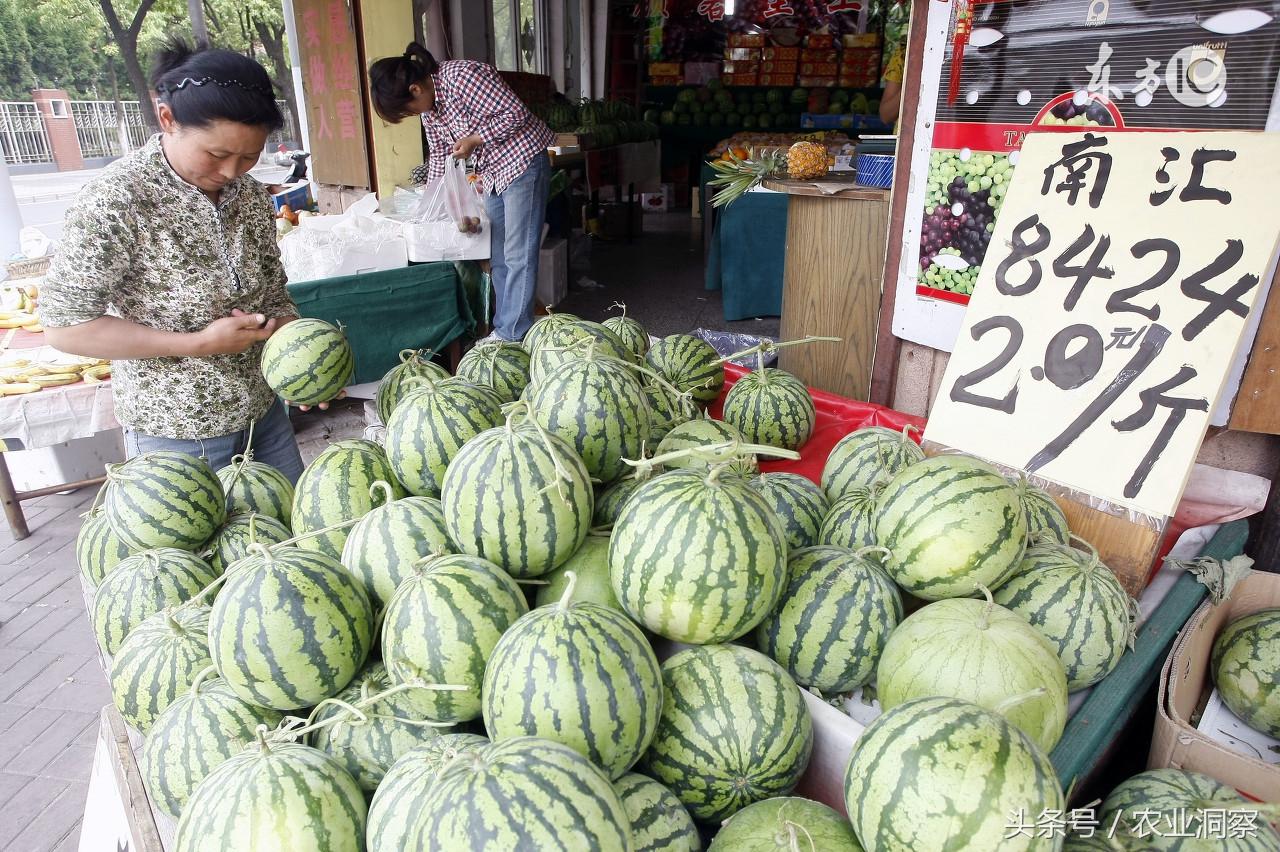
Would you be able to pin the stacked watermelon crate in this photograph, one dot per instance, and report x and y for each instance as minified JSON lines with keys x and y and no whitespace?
{"x":563,"y":607}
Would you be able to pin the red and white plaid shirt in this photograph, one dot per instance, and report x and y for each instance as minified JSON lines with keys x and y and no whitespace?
{"x":472,"y":98}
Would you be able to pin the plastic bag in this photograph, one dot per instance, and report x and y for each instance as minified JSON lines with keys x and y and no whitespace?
{"x":461,"y":200}
{"x":448,"y":221}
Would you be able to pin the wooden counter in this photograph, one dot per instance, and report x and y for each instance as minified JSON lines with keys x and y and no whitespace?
{"x":836,"y":236}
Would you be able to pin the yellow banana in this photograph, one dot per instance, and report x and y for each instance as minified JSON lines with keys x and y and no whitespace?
{"x":97,"y":374}
{"x":55,"y":379}
{"x":18,"y":320}
{"x":34,"y":328}
{"x":15,"y":388}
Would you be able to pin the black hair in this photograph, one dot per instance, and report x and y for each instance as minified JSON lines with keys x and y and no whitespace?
{"x":390,"y":79}
{"x":212,"y":84}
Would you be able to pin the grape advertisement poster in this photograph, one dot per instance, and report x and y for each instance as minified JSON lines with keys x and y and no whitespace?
{"x":995,"y":71}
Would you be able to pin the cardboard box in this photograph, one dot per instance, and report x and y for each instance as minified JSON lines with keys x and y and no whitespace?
{"x":746,"y":40}
{"x":1185,"y":684}
{"x":861,"y":40}
{"x":820,"y":40}
{"x":779,"y":66}
{"x":741,"y":79}
{"x":778,"y":79}
{"x":820,"y":69}
{"x":743,"y":54}
{"x":823,"y":55}
{"x":787,"y":54}
{"x":296,"y":195}
{"x":739,"y":66}
{"x":553,"y":272}
{"x":664,"y":69}
{"x":657,"y":202}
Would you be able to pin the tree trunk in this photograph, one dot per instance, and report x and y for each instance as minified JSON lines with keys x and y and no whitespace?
{"x":195,"y":9}
{"x":127,"y":40}
{"x":272,"y":39}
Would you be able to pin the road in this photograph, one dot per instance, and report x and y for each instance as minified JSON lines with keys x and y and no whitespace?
{"x":44,"y":199}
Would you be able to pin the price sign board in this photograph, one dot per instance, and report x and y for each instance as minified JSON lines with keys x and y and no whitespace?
{"x":1112,"y":298}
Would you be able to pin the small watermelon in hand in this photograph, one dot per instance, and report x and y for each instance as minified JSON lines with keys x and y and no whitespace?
{"x":308,"y":361}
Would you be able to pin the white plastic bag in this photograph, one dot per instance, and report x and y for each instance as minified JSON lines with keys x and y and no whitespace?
{"x":448,"y":222}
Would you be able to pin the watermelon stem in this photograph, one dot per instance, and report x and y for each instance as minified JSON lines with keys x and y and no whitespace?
{"x":97,"y":498}
{"x":985,"y":620}
{"x":312,"y":533}
{"x":567,"y":598}
{"x":349,"y":711}
{"x":424,"y":561}
{"x":1094,"y":559}
{"x":1016,"y":700}
{"x":770,"y":346}
{"x":793,"y":836}
{"x":623,"y":306}
{"x":388,"y":496}
{"x":262,"y":731}
{"x":863,"y":551}
{"x":201,"y":677}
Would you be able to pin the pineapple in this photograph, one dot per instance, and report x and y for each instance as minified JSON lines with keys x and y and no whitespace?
{"x":807,"y":160}
{"x":737,"y":175}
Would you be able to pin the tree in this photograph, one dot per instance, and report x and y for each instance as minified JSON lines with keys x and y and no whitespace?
{"x":126,"y":37}
{"x":16,"y":75}
{"x":256,"y":29}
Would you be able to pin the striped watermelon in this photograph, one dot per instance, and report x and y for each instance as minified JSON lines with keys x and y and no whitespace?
{"x":277,"y":796}
{"x":157,"y":662}
{"x":573,"y":341}
{"x":1149,"y":805}
{"x":579,"y":674}
{"x":734,"y":730}
{"x":700,"y":434}
{"x":1044,"y":516}
{"x":833,"y":620}
{"x":981,"y":652}
{"x":432,"y":424}
{"x":141,"y":586}
{"x":609,"y":500}
{"x":164,"y":499}
{"x":771,"y":406}
{"x":519,"y":497}
{"x":951,"y":523}
{"x":338,"y":487}
{"x":787,"y":823}
{"x":800,"y":505}
{"x":689,"y":363}
{"x":851,"y":521}
{"x":98,"y":549}
{"x":501,"y":367}
{"x":231,"y":542}
{"x":590,"y":567}
{"x":385,"y":544}
{"x":667,"y":409}
{"x":290,"y":628}
{"x":937,"y":773}
{"x":659,"y":822}
{"x":630,"y":332}
{"x":252,"y":486}
{"x":1079,"y":606}
{"x":308,"y":361}
{"x":398,"y":799}
{"x":1246,"y":669}
{"x":543,"y":327}
{"x":866,"y":457}
{"x":522,"y":793}
{"x":395,"y":385}
{"x":199,"y":730}
{"x":697,"y":559}
{"x":367,"y":743}
{"x":440,"y":627}
{"x":598,"y":407}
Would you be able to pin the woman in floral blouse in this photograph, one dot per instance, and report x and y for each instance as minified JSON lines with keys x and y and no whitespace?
{"x":468,"y":112}
{"x":169,"y":267}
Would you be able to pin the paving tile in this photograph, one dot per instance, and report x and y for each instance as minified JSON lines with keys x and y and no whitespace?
{"x":25,"y":806}
{"x":24,"y":732}
{"x":55,"y":821}
{"x":41,"y":686}
{"x":74,"y":638}
{"x":36,"y":626}
{"x":80,"y":696}
{"x":10,"y":784}
{"x":24,"y":669}
{"x":74,"y":763}
{"x":45,"y":750}
{"x":10,"y":714}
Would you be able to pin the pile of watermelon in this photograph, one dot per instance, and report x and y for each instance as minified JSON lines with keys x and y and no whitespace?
{"x":470,"y":627}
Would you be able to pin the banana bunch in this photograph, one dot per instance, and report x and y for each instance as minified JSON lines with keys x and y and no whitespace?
{"x":20,"y":319}
{"x":22,"y":376}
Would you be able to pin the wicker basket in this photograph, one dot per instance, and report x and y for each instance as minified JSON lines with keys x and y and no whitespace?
{"x":31,"y":268}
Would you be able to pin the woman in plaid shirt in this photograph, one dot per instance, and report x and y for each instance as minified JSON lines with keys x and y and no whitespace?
{"x":469,"y":112}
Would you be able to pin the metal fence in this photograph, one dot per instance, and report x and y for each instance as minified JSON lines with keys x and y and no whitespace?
{"x":22,"y":135}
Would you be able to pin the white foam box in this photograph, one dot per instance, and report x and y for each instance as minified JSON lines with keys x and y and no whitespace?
{"x":553,"y":271}
{"x":658,"y":202}
{"x":70,"y":461}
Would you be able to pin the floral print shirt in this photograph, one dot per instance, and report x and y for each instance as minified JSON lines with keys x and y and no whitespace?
{"x":142,"y":244}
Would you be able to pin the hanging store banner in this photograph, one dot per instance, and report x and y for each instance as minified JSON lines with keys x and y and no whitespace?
{"x":995,"y":71}
{"x":1120,"y":278}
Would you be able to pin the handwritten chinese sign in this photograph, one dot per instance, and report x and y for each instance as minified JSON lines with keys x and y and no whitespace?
{"x":1120,"y":276}
{"x":331,"y":80}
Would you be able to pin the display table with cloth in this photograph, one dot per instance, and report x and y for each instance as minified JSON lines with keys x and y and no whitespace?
{"x":424,"y":306}
{"x":746,"y":256}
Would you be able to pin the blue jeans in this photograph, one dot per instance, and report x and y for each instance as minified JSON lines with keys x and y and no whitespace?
{"x":273,"y":444}
{"x":516,"y":216}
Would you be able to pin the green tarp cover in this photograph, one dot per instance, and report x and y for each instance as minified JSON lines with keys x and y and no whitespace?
{"x":747,"y":253}
{"x":417,"y":307}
